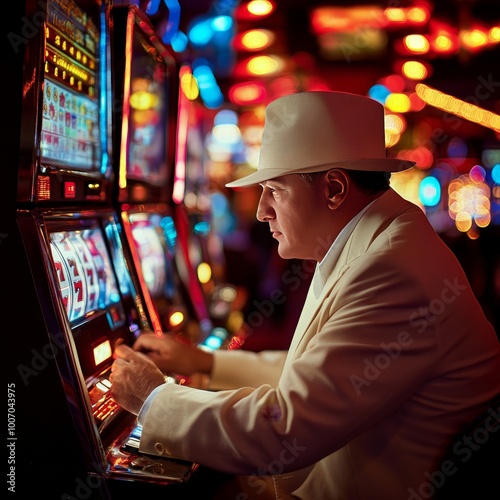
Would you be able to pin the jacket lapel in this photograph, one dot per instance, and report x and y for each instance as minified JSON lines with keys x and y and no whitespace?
{"x":374,"y":221}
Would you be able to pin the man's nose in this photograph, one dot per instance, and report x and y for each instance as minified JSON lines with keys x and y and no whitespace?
{"x":264,"y":210}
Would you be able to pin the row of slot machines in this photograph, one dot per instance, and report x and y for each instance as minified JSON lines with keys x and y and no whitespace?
{"x":103,"y":252}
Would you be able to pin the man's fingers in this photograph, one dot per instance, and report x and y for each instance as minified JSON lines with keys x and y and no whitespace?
{"x":123,"y":351}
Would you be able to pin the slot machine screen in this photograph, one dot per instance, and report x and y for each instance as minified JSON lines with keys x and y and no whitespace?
{"x":92,"y":292}
{"x":154,"y":263}
{"x":148,"y":112}
{"x":154,"y":237}
{"x":71,"y":110}
{"x":86,"y":280}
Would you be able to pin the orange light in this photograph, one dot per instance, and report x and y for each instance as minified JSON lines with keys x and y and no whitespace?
{"x":418,"y":14}
{"x":264,"y":65}
{"x":247,"y":93}
{"x":443,"y":43}
{"x":414,"y":70}
{"x":473,"y":39}
{"x":176,"y":318}
{"x":417,"y":44}
{"x":255,"y":39}
{"x":260,"y":7}
{"x":411,"y":15}
{"x":328,"y":19}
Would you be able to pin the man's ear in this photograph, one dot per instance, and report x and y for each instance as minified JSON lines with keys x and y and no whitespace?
{"x":337,"y":184}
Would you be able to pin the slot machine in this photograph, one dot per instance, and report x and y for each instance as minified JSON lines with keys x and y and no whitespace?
{"x":81,"y":293}
{"x":146,"y":81}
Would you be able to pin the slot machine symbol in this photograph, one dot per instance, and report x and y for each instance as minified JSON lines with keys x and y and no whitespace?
{"x":107,"y":284}
{"x":89,"y":270}
{"x":63,"y":279}
{"x":76,"y":277}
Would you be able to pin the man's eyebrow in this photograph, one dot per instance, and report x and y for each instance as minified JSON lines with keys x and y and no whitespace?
{"x":276,"y":180}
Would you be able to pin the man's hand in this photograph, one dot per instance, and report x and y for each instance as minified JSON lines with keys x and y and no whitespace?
{"x":173,"y":356}
{"x":133,"y":377}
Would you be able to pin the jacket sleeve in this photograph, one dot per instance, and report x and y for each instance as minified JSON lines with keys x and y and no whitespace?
{"x":234,"y":369}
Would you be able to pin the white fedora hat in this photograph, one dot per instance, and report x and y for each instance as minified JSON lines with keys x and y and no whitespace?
{"x":315,"y":131}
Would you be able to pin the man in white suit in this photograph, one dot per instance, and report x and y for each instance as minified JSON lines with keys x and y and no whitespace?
{"x":392,"y":355}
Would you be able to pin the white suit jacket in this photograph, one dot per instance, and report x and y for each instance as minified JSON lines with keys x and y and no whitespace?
{"x":384,"y":368}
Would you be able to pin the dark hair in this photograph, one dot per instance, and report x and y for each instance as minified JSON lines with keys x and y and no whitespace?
{"x":368,"y":181}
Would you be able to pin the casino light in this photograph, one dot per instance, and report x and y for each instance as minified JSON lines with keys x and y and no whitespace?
{"x":417,"y":44}
{"x":398,"y":103}
{"x":495,"y":174}
{"x":494,"y":34}
{"x":443,"y":43}
{"x":143,"y":100}
{"x":255,"y":39}
{"x":212,"y":343}
{"x":260,"y":7}
{"x":416,"y":103}
{"x":226,"y":134}
{"x":201,"y":33}
{"x":264,"y":65}
{"x":473,"y":39}
{"x":174,"y":15}
{"x":458,"y":107}
{"x":414,"y":70}
{"x":394,"y":83}
{"x":179,"y":42}
{"x":379,"y":92}
{"x":221,"y":23}
{"x":247,"y":93}
{"x":409,"y":15}
{"x":188,"y":84}
{"x":169,"y":232}
{"x":204,"y":272}
{"x":490,"y":157}
{"x":469,"y":202}
{"x":429,"y":191}
{"x":394,"y":127}
{"x":226,"y":117}
{"x":176,"y":318}
{"x":210,"y":91}
{"x":202,"y":228}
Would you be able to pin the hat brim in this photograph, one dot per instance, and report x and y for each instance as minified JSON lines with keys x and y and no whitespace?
{"x":368,"y":164}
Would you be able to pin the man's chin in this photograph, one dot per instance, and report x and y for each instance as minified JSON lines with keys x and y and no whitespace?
{"x":285,"y":253}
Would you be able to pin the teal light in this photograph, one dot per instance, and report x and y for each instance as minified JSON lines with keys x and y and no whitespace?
{"x":179,"y":42}
{"x":170,"y":232}
{"x":429,"y":191}
{"x":221,"y":23}
{"x":202,"y":228}
{"x":210,"y":91}
{"x":379,"y":92}
{"x":201,"y":33}
{"x":213,"y":342}
{"x":495,"y":173}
